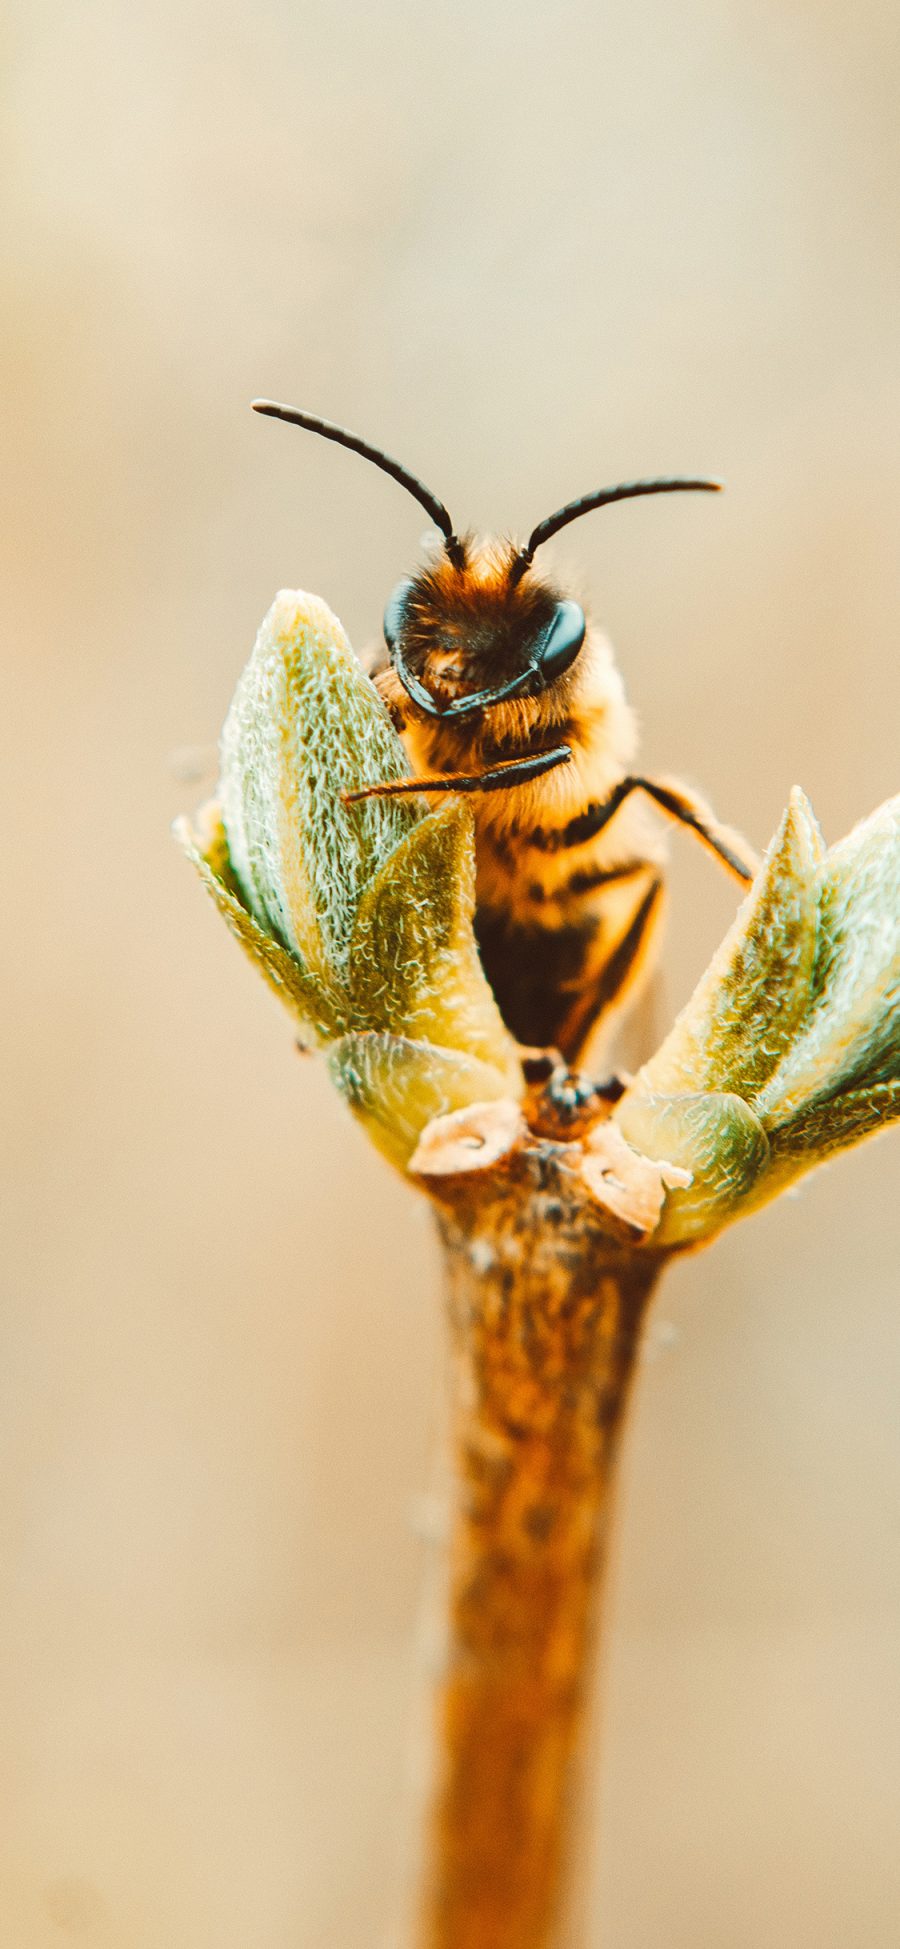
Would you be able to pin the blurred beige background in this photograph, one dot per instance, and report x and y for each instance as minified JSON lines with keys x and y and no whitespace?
{"x":531,"y":250}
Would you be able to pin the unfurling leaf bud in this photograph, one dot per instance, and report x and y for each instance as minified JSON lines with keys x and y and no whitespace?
{"x":360,"y":916}
{"x":789,"y":1049}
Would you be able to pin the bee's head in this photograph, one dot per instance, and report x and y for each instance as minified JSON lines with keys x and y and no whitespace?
{"x":478,"y":627}
{"x":468,"y":632}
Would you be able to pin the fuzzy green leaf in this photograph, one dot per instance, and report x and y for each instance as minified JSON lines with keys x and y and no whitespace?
{"x":713,"y":1135}
{"x":395,"y":1086}
{"x":305,"y":725}
{"x":851,"y":1038}
{"x":833,"y":1123}
{"x":319,"y":1008}
{"x":415,"y":969}
{"x":744,"y":1013}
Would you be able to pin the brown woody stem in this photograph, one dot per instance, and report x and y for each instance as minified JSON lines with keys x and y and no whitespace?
{"x":545,"y":1312}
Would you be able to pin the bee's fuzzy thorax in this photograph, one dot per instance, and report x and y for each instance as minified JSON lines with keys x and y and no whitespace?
{"x":586,"y":707}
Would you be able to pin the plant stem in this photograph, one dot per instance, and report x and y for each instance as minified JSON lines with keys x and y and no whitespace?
{"x":545,"y":1316}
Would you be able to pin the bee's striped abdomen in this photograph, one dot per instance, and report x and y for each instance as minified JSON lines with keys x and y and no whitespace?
{"x":554,"y":984}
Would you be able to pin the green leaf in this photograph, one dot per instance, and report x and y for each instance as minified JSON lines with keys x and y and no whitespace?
{"x":851,"y":1038}
{"x":415,"y":968}
{"x":396,"y":1086}
{"x":833,"y":1123}
{"x":306,"y":724}
{"x":744,"y":1013}
{"x":713,"y":1135}
{"x":321,"y":1009}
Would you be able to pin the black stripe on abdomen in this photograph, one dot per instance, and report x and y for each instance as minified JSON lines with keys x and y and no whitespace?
{"x":587,"y":879}
{"x":518,"y":744}
{"x":557,"y":839}
{"x":584,"y":825}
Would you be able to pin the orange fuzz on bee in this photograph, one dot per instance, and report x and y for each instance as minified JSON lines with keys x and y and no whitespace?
{"x":500,"y":688}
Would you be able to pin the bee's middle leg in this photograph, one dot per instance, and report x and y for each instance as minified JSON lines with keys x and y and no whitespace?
{"x":675,"y":800}
{"x":608,"y":984}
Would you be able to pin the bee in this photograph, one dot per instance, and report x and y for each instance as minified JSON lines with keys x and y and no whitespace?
{"x":500,"y":687}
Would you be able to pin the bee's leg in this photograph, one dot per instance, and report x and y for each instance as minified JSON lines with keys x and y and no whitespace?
{"x":562,"y":1103}
{"x":608,"y":984}
{"x":690,"y":811}
{"x":509,"y":771}
{"x":679,"y":803}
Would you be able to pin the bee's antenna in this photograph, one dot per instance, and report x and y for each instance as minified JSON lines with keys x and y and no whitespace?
{"x":626,"y":491}
{"x":415,"y":487}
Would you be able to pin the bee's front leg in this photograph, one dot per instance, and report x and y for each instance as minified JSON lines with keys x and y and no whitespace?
{"x":498,"y":778}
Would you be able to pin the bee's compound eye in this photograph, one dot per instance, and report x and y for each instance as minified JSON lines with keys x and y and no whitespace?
{"x":393,"y":615}
{"x":562,"y":641}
